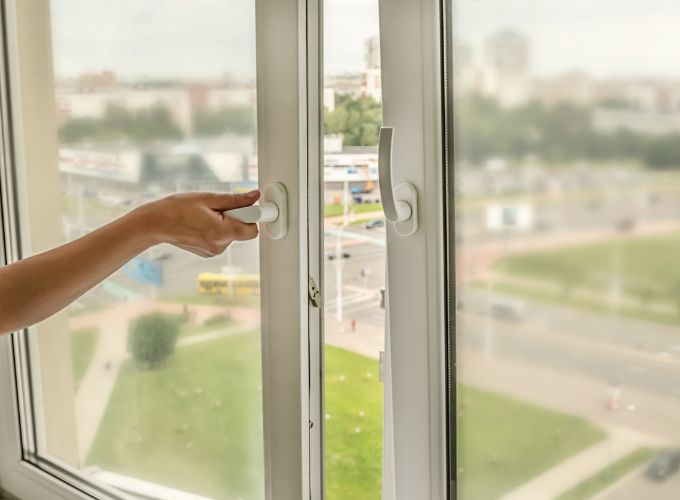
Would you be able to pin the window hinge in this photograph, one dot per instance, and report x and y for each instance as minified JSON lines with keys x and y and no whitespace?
{"x":314,"y":293}
{"x":382,"y":298}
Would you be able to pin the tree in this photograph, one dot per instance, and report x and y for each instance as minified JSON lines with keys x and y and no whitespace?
{"x":358,"y":120}
{"x":554,"y":134}
{"x":152,"y":339}
{"x":238,"y":120}
{"x":120,"y":124}
{"x":663,"y":152}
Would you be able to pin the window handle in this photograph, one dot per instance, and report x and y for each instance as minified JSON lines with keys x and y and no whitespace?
{"x":400,"y":203}
{"x":264,"y":212}
{"x":272,"y":211}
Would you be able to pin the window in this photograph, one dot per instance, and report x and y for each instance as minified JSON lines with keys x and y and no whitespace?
{"x":137,"y":90}
{"x":566,"y":169}
{"x":107,"y":105}
{"x":137,"y":101}
{"x":354,"y":253}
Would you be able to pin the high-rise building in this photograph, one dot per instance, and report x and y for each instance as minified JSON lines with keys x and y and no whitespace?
{"x":370,"y":77}
{"x":506,"y":55}
{"x":508,"y":52}
{"x":372,"y":52}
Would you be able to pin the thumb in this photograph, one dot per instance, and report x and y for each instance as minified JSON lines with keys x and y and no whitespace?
{"x":226,"y":201}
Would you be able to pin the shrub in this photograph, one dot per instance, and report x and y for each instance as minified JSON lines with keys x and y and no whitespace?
{"x":152,"y":339}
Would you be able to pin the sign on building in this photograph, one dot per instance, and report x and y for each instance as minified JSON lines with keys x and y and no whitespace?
{"x":511,"y":216}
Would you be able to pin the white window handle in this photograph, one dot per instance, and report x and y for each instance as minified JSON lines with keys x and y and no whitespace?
{"x":400,"y":203}
{"x":272,"y":211}
{"x":264,"y":212}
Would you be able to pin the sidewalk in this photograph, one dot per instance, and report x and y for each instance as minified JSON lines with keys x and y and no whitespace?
{"x":655,"y":416}
{"x":110,"y":353}
{"x":577,"y":468}
{"x":367,"y":340}
{"x":654,"y":422}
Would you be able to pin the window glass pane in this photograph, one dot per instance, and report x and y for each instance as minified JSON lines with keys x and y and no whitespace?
{"x":354,"y":253}
{"x":153,"y":379}
{"x":567,"y":129}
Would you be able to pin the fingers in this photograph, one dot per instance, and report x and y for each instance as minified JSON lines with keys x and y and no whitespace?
{"x":240,"y":231}
{"x":227,"y":201}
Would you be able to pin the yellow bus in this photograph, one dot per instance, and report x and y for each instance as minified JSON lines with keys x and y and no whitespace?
{"x":229,"y":285}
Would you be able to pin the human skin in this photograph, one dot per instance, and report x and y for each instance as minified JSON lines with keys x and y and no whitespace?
{"x":34,"y":288}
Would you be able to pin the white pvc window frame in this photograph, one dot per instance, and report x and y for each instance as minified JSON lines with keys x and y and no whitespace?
{"x":415,"y":461}
{"x":290,"y":128}
{"x":289,"y":134}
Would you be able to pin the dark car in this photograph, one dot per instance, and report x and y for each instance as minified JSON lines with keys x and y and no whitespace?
{"x":663,"y":465}
{"x":345,"y":255}
{"x":375,"y":223}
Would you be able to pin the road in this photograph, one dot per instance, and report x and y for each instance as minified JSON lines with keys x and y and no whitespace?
{"x":636,"y":486}
{"x":615,"y":350}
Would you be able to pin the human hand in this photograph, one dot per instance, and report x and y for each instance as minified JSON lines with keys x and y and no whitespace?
{"x":194,"y":221}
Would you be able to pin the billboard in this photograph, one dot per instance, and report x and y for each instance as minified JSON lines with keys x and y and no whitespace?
{"x":517,"y":216}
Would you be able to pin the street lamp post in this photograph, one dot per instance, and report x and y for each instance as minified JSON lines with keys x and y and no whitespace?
{"x":338,"y":252}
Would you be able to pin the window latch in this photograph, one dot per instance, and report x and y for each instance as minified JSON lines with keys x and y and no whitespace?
{"x":314,"y":293}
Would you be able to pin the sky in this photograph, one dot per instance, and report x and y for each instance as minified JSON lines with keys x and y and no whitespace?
{"x":601,"y":37}
{"x":197,"y":39}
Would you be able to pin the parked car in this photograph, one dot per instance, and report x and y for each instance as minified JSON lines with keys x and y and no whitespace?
{"x":499,"y":307}
{"x":375,"y":223}
{"x":507,"y":309}
{"x":345,"y":255}
{"x":663,"y":465}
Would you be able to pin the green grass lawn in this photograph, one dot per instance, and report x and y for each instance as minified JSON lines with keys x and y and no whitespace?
{"x":609,"y":475}
{"x":195,"y":425}
{"x":504,"y":443}
{"x":597,"y":306}
{"x":648,"y":267}
{"x":335,"y":209}
{"x":354,"y":409}
{"x":83,"y":344}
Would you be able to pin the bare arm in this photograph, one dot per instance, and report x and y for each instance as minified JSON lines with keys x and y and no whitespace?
{"x":37,"y":287}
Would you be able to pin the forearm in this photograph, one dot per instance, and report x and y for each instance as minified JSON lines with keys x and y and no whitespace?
{"x":34,"y":288}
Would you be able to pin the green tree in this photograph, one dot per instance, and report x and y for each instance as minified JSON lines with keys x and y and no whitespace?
{"x":236,"y":120}
{"x":662,"y":152}
{"x":152,"y":339}
{"x":554,"y":134}
{"x":358,"y":120}
{"x":120,"y":124}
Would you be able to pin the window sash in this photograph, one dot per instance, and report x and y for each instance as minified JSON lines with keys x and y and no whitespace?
{"x":415,"y":461}
{"x":288,"y":152}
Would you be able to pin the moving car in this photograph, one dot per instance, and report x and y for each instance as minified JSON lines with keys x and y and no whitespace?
{"x":663,"y":465}
{"x":375,"y":223}
{"x":345,"y":255}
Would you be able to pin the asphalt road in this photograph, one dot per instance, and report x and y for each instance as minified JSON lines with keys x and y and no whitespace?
{"x":637,"y":487}
{"x":624,"y":352}
{"x":361,"y":293}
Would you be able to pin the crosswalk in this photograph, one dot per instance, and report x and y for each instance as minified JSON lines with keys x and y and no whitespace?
{"x":366,"y":302}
